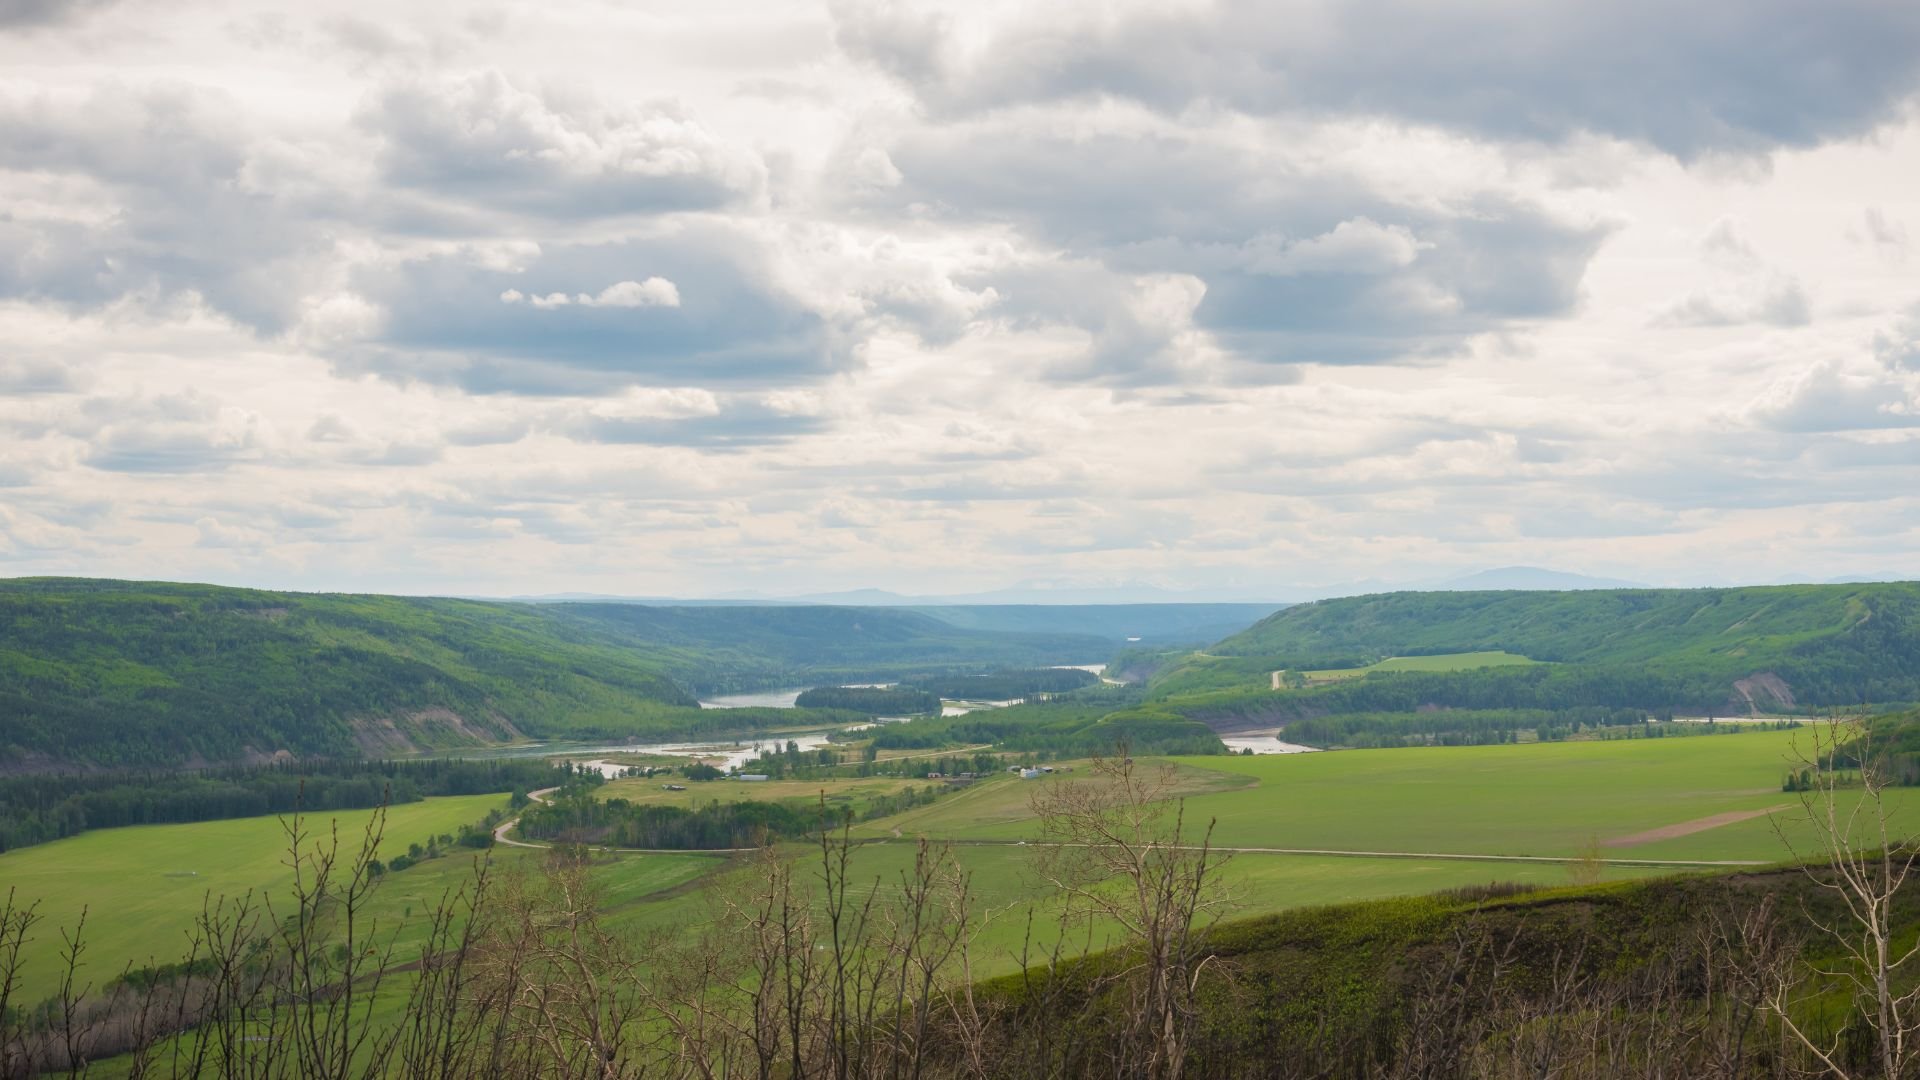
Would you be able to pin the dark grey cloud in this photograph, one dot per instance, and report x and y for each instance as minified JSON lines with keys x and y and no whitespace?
{"x":1834,"y":397}
{"x":1299,"y":264}
{"x":483,"y":139}
{"x":1713,"y":76}
{"x":188,"y":206}
{"x":28,"y":14}
{"x":25,"y":377}
{"x":466,"y":320}
{"x":147,"y":450}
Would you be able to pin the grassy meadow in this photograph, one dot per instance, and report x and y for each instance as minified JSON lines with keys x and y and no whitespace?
{"x":1467,"y":661}
{"x":143,"y":886}
{"x":1536,"y":799}
{"x":851,"y":793}
{"x":1643,"y":799}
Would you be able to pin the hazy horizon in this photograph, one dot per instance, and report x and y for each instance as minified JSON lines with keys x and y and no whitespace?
{"x":942,"y":299}
{"x":1030,"y":593}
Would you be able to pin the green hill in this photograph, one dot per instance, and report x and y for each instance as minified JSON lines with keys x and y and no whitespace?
{"x":109,"y":672}
{"x":1588,"y":626}
{"x":728,"y":648}
{"x":1714,"y":650}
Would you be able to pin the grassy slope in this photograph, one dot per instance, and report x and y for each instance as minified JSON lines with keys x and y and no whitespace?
{"x":123,"y":672}
{"x":1636,"y":648}
{"x":1434,"y":662}
{"x":1333,"y":987}
{"x":144,"y":885}
{"x":146,"y":673}
{"x":1740,"y":629}
{"x":1544,"y":799}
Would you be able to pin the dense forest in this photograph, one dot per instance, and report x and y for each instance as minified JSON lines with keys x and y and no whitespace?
{"x":119,"y":673}
{"x":39,"y":807}
{"x":1009,"y":685}
{"x":1657,"y":652}
{"x":1830,"y":644}
{"x":715,"y":649}
{"x":577,"y":817}
{"x":580,"y":818}
{"x":871,"y":700}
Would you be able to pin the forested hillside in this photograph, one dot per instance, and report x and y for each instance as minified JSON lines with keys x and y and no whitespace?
{"x":125,"y":673}
{"x":729,"y":648}
{"x":1660,"y":651}
{"x":1589,"y":626}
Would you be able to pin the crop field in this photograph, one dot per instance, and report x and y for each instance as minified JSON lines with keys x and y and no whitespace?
{"x":1657,"y":799}
{"x":1466,"y":661}
{"x":1680,"y":798}
{"x":1695,"y":800}
{"x":1006,"y":884}
{"x":850,"y":792}
{"x":1689,"y":800}
{"x":143,"y":886}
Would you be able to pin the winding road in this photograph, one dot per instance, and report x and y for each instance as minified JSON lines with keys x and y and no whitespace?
{"x":500,"y":830}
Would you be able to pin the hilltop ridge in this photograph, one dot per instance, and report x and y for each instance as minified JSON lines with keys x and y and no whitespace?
{"x":116,"y":672}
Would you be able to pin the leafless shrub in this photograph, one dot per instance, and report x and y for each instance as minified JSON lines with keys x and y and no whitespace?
{"x":1116,"y":852}
{"x":1864,"y":863}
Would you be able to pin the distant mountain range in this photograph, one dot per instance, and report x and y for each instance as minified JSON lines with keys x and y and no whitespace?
{"x":1523,"y":578}
{"x":1530,"y":578}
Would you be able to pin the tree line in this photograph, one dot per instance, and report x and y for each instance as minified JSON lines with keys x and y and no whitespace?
{"x":871,"y":700}
{"x":37,"y":808}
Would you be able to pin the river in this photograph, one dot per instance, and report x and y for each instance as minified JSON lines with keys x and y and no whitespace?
{"x":725,"y":756}
{"x":1264,"y":742}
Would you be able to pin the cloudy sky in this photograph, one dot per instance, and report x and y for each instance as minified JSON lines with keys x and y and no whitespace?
{"x":706,"y":298}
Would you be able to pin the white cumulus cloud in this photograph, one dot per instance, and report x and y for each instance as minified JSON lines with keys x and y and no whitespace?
{"x":651,"y":293}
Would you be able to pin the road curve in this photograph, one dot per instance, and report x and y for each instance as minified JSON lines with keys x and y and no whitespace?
{"x":500,"y":830}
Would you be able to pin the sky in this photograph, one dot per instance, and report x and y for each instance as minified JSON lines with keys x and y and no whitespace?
{"x":747,"y":297}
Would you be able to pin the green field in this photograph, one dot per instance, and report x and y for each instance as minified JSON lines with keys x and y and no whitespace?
{"x":851,"y":793}
{"x":1466,"y":661}
{"x":143,"y":886}
{"x":1541,"y":799}
{"x":1546,"y":800}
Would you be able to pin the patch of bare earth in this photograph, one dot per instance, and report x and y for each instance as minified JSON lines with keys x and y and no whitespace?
{"x":428,"y":728}
{"x":1763,"y":690}
{"x":1688,"y":828}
